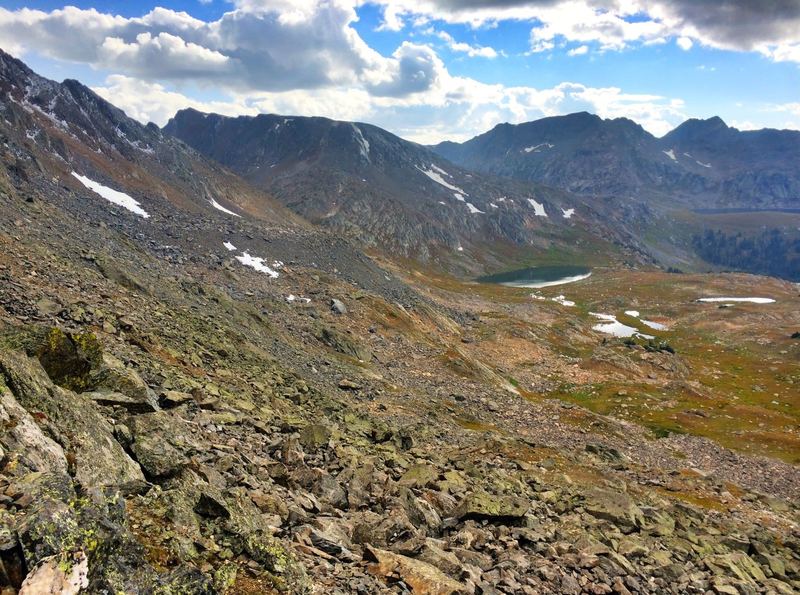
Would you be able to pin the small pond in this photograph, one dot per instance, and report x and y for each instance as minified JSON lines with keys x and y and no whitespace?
{"x":538,"y":277}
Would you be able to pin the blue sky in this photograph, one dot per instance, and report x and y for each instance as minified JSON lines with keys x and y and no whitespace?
{"x":425,"y":69}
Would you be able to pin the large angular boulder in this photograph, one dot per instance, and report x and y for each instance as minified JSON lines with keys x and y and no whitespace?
{"x":23,"y":441}
{"x":69,"y":358}
{"x":162,"y":443}
{"x":481,"y":505}
{"x":119,"y":385}
{"x":616,"y":507}
{"x":423,"y":578}
{"x":87,"y":438}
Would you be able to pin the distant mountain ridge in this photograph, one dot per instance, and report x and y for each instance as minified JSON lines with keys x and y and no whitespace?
{"x":392,"y":193}
{"x":701,"y":163}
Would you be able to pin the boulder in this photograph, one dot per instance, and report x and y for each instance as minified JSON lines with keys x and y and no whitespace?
{"x":419,"y":476}
{"x":23,"y":441}
{"x":433,"y":554}
{"x":65,"y":575}
{"x":162,"y":443}
{"x":83,"y":433}
{"x":111,"y":376}
{"x":338,"y":307}
{"x":131,"y":404}
{"x":69,"y":358}
{"x":481,"y":505}
{"x":615,"y":507}
{"x":423,"y":578}
{"x":342,"y":343}
{"x":420,"y":512}
{"x":314,"y":436}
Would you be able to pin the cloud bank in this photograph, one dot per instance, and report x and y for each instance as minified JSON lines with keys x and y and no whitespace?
{"x":306,"y":57}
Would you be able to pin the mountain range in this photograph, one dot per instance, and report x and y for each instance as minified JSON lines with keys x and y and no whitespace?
{"x":575,"y":185}
{"x":250,"y":355}
{"x":390,"y":193}
{"x":701,"y":163}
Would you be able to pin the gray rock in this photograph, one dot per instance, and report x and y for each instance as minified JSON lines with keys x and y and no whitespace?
{"x":22,"y":439}
{"x":482,"y":505}
{"x":338,"y":307}
{"x":147,"y":404}
{"x":162,"y":443}
{"x":82,"y":431}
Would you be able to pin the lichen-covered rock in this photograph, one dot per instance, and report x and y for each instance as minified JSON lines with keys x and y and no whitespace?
{"x":162,"y":443}
{"x":23,"y":441}
{"x":615,"y":507}
{"x":69,"y":358}
{"x":343,"y":344}
{"x":111,"y":376}
{"x":495,"y":508}
{"x":115,"y":399}
{"x":278,"y":560}
{"x":314,"y":436}
{"x":62,"y":575}
{"x":51,"y":525}
{"x":85,"y":435}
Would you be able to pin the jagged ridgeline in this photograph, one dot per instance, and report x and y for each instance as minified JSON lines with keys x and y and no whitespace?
{"x":201,"y":392}
{"x":396,"y":195}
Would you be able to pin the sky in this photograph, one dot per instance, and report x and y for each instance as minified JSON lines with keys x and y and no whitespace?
{"x":427,"y":70}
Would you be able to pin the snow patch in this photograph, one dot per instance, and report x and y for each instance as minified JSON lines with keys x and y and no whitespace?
{"x":538,"y":208}
{"x":543,"y":284}
{"x":611,"y":326}
{"x":294,"y":298}
{"x":435,"y":174}
{"x":537,"y":148}
{"x":567,"y":213}
{"x":257,"y":263}
{"x":459,"y":197}
{"x":113,"y":196}
{"x":363,"y":144}
{"x":701,"y":164}
{"x":473,"y":209}
{"x":219,"y":207}
{"x":656,"y":326}
{"x":670,"y":154}
{"x":439,"y":170}
{"x":752,"y":300}
{"x":494,"y":206}
{"x":229,"y":246}
{"x":560,"y":299}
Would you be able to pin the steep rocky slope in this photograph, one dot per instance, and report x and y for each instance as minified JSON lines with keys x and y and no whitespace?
{"x":390,"y":193}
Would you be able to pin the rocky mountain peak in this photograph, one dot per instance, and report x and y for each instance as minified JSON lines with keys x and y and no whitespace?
{"x":697,"y":130}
